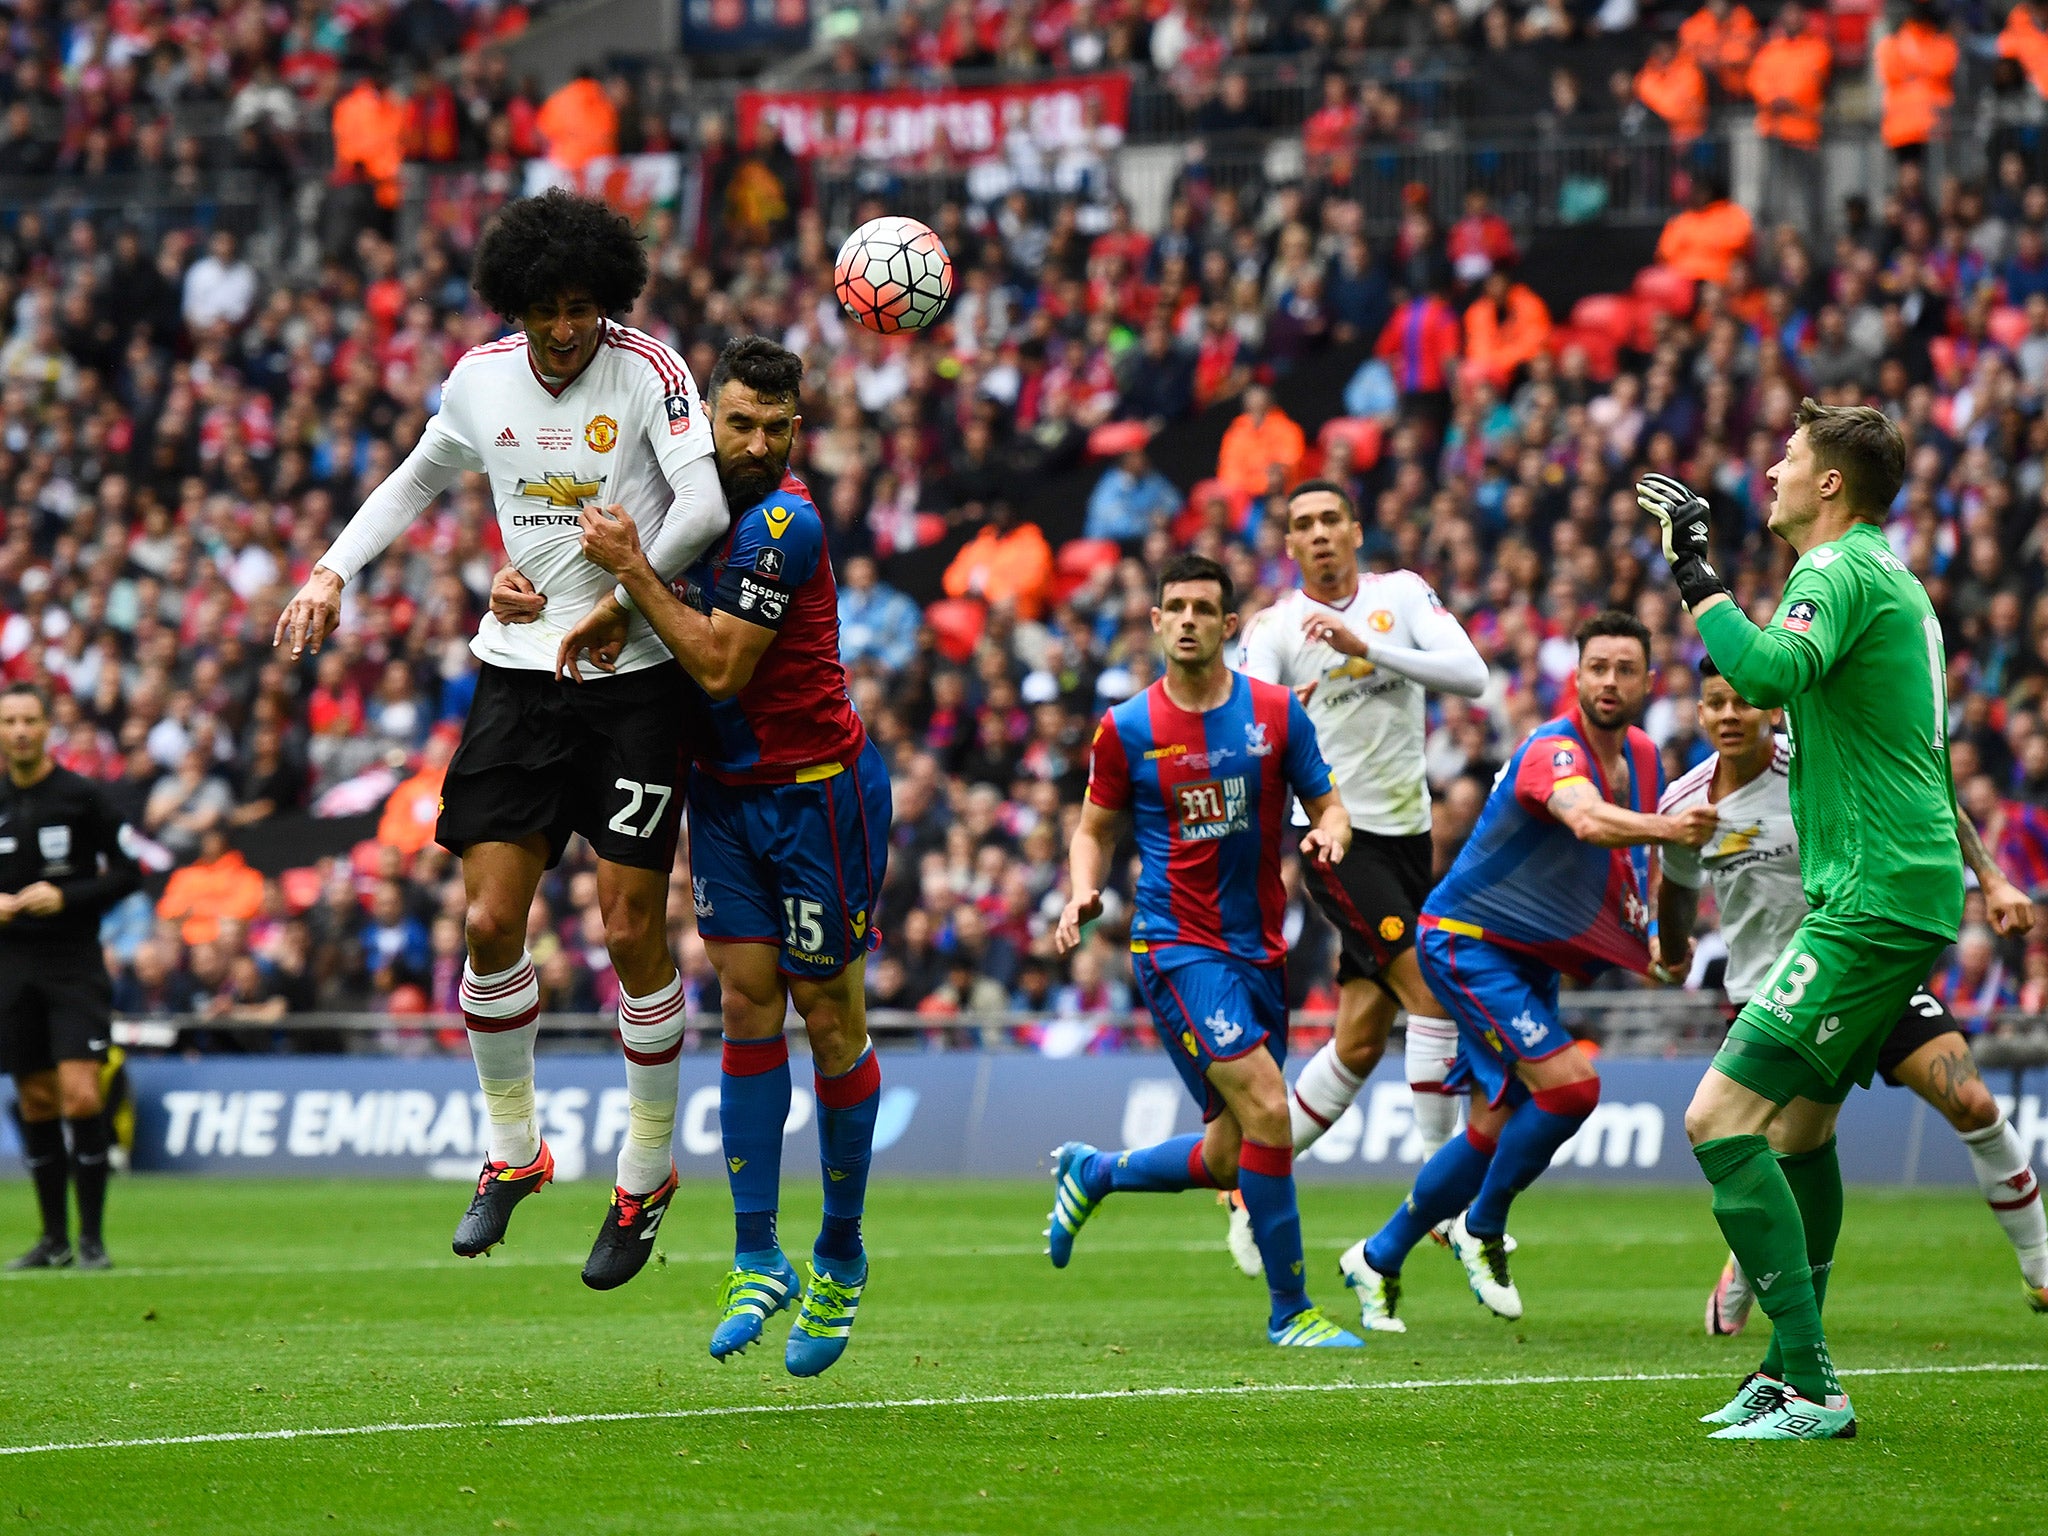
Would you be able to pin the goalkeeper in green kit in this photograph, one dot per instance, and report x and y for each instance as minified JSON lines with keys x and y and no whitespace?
{"x":1854,"y":656}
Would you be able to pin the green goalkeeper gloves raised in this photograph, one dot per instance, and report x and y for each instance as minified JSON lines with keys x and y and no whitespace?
{"x":1688,"y":536}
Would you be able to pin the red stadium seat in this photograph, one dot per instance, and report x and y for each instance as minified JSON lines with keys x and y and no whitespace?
{"x":1614,"y":315}
{"x":1664,"y":288}
{"x":1084,"y":557}
{"x":1602,"y":351}
{"x":1113,"y":439}
{"x":300,"y":888}
{"x":1079,"y":560}
{"x":2008,"y":326}
{"x":1941,"y":351}
{"x":957,"y":622}
{"x":1191,"y":519}
{"x":1362,"y":432}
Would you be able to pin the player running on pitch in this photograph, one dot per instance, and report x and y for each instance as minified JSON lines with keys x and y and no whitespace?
{"x":573,"y":410}
{"x":1203,"y":761}
{"x":1358,"y":650}
{"x":1854,"y":655}
{"x":789,"y":841}
{"x":1554,"y":880}
{"x":1753,"y":868}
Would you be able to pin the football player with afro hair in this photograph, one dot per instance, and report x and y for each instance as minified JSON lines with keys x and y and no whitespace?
{"x":539,"y":248}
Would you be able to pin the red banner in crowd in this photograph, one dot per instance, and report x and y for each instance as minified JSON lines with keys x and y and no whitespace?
{"x":969,"y":122}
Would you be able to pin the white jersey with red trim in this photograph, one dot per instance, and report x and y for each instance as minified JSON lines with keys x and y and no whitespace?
{"x":1752,"y":863}
{"x":1368,"y":711}
{"x":616,"y":433}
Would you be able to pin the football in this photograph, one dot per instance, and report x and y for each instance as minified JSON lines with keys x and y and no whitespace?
{"x":893,"y":274}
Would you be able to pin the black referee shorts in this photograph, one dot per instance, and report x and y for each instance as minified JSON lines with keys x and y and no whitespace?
{"x":56,"y":1004}
{"x":601,"y":757}
{"x":1372,"y":899}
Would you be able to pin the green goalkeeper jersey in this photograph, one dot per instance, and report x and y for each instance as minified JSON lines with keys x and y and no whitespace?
{"x":1854,"y":655}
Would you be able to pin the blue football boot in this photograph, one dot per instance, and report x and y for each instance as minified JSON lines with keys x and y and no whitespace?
{"x":751,"y":1294}
{"x":1071,"y":1203}
{"x":824,"y":1323}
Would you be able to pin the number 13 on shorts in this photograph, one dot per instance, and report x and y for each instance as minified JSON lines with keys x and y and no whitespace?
{"x":1789,"y":978}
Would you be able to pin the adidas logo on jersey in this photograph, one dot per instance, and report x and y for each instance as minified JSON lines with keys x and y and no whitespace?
{"x":507,"y":439}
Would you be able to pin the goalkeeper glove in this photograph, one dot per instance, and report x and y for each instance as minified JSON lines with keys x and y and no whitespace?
{"x":1688,"y":535}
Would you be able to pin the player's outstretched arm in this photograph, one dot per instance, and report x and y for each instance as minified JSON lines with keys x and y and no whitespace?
{"x":696,"y":517}
{"x":432,"y":466}
{"x":1678,"y":909}
{"x":1592,"y":818}
{"x":2010,"y":909}
{"x":1445,"y":661}
{"x":718,"y":649}
{"x":1087,"y":861}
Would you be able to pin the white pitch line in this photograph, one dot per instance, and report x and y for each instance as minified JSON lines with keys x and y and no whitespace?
{"x":993,"y":1399}
{"x":454,"y":1266}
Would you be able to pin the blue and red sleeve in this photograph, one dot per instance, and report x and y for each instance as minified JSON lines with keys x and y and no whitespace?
{"x":1548,"y":762}
{"x":1307,"y":772}
{"x":774,"y":549}
{"x":1109,"y":769}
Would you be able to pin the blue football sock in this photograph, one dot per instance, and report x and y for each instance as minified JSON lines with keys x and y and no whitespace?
{"x":1165,"y":1168}
{"x":846,"y":1140}
{"x":1528,"y":1141}
{"x":1265,"y":1177}
{"x":753,"y":1104}
{"x":1444,"y":1187}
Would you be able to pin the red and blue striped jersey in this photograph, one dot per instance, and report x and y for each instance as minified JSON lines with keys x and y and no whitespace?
{"x":1525,"y":882}
{"x":1208,"y":796}
{"x":794,"y":717}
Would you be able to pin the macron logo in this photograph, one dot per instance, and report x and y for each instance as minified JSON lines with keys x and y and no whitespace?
{"x":506,"y":439}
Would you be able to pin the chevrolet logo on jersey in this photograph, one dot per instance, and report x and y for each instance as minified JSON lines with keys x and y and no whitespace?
{"x":1737,"y":840}
{"x":1353,"y":667}
{"x":560,"y":490}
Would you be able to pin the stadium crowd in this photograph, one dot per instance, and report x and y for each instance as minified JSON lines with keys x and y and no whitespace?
{"x":182,"y":433}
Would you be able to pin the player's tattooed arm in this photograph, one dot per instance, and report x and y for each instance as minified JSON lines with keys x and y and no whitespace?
{"x":2009,"y":908}
{"x":1592,"y":818}
{"x":1678,"y":909}
{"x":717,"y":649}
{"x":1088,"y":862}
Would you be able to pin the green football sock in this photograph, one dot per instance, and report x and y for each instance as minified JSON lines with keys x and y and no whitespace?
{"x":1816,"y":1180}
{"x":1754,"y":1204}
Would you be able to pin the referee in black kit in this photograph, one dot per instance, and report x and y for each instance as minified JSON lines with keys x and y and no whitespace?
{"x":61,"y":867}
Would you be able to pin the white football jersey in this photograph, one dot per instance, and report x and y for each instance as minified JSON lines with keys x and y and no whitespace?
{"x":614,"y":434}
{"x":1369,"y":719}
{"x":1752,"y":864}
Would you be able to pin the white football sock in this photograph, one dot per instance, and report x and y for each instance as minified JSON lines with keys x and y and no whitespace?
{"x":502,"y":1013}
{"x":1432,"y":1049}
{"x":2014,"y":1194}
{"x":1324,"y":1091}
{"x":652,"y":1029}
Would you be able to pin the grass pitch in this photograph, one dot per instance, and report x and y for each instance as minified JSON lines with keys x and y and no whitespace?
{"x":984,"y":1392}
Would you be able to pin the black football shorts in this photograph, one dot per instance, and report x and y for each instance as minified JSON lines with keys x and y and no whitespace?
{"x":602,"y":757}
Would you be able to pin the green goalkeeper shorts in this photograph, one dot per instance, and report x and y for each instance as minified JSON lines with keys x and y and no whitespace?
{"x":1815,"y":1026}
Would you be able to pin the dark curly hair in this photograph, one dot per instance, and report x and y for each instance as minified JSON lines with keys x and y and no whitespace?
{"x":771,"y":371}
{"x":538,"y":248}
